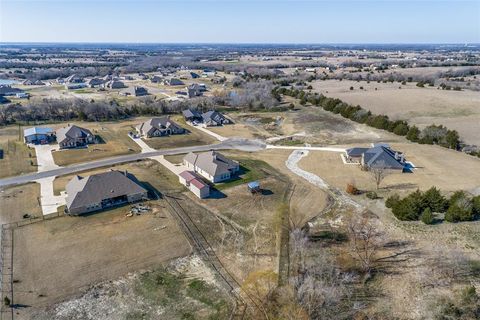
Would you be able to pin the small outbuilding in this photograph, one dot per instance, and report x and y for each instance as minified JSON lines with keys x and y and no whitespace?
{"x":254,"y":187}
{"x":194,"y":183}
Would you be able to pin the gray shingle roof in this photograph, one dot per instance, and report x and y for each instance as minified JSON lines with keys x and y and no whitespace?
{"x":214,"y":116}
{"x":381,"y":156}
{"x":191,"y":113}
{"x":212,"y":162}
{"x":153,"y":124}
{"x":72,"y":132}
{"x":95,"y":188}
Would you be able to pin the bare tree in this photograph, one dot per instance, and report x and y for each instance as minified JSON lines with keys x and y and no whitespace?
{"x":365,"y":240}
{"x":379,"y":172}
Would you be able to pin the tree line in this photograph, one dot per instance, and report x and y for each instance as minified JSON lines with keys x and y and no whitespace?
{"x":433,"y":134}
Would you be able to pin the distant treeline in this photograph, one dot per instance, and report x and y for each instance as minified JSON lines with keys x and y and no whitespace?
{"x":433,"y":134}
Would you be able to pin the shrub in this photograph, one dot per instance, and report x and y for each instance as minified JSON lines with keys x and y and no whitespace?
{"x":458,"y":212}
{"x":413,"y":134}
{"x":392,"y":201}
{"x":351,"y":88}
{"x":372,"y":195}
{"x":434,"y":200}
{"x":427,"y":216}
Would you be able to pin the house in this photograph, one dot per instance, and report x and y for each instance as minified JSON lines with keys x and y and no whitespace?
{"x":37,"y":135}
{"x":6,"y":90}
{"x":95,"y":82}
{"x":156,"y":79}
{"x":174,"y":82}
{"x":73,"y":79}
{"x":101,"y":191}
{"x":213,"y":118}
{"x":312,"y":70}
{"x":194,"y":183}
{"x":115,"y":84}
{"x":192,"y":115}
{"x":211,"y":165}
{"x":74,"y":136}
{"x":194,"y":91}
{"x":194,"y":75}
{"x":208,"y":73}
{"x":135,"y":91}
{"x":379,"y":156}
{"x":157,"y":127}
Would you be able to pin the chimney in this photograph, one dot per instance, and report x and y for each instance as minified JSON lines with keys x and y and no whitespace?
{"x":396,"y":155}
{"x":126,"y":173}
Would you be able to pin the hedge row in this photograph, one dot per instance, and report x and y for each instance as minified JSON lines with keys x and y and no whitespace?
{"x":420,"y":205}
{"x":433,"y":134}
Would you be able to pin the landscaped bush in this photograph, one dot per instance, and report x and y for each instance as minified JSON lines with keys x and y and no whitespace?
{"x":392,"y":200}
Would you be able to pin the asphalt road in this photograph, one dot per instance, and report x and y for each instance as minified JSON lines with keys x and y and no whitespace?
{"x":234,"y":143}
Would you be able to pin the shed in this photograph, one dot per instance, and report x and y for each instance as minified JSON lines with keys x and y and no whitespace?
{"x":254,"y":186}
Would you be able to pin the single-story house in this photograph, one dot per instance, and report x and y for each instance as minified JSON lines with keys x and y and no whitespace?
{"x":115,"y":84}
{"x":101,"y":191}
{"x":73,"y":79}
{"x":174,"y":82}
{"x":194,"y":183}
{"x":22,"y":95}
{"x":6,"y":90}
{"x":211,"y":165}
{"x":37,"y":135}
{"x":4,"y":100}
{"x":194,"y":90}
{"x":29,"y":82}
{"x":75,"y":85}
{"x":95,"y":82}
{"x":74,"y":136}
{"x":214,"y":118}
{"x":192,"y":115}
{"x":139,"y":91}
{"x":156,"y":79}
{"x":379,"y":156}
{"x":157,"y":127}
{"x":194,"y":75}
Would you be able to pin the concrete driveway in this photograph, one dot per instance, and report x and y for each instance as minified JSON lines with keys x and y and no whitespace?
{"x":45,"y":158}
{"x":145,"y":147}
{"x":49,"y":201}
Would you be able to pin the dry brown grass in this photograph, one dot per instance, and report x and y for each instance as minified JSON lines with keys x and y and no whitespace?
{"x":17,"y":157}
{"x":422,"y":106}
{"x":19,"y":200}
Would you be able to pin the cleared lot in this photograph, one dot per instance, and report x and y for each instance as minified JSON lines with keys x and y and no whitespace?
{"x":459,"y":110}
{"x":56,"y":258}
{"x":17,"y":157}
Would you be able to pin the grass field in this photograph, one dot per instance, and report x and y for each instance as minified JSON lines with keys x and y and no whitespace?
{"x":17,"y":157}
{"x":103,"y":245}
{"x":250,"y":170}
{"x":17,"y":201}
{"x":422,"y":106}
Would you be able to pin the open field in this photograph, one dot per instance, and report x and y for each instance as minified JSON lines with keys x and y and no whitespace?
{"x":95,"y":247}
{"x":459,"y":110}
{"x":17,"y":201}
{"x":114,"y":141}
{"x":17,"y":157}
{"x":56,"y":258}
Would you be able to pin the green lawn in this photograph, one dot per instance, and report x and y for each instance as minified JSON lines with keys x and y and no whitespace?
{"x":250,"y":170}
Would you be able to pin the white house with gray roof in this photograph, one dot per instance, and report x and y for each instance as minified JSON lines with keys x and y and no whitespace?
{"x":211,"y":165}
{"x":214,"y":118}
{"x":381,"y":155}
{"x":101,"y":191}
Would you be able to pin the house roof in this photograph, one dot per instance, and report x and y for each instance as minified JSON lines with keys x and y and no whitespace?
{"x":356,"y":152}
{"x":212,"y":162}
{"x":191,"y":113}
{"x":37,"y":130}
{"x":72,"y":132}
{"x":213,"y":116}
{"x":157,"y":124}
{"x":382,"y":157}
{"x":253,"y":184}
{"x":194,"y":179}
{"x":95,"y":188}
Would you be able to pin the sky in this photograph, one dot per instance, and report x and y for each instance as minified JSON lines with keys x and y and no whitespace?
{"x":240,"y":21}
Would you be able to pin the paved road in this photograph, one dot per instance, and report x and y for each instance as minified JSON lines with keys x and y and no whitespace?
{"x":240,"y":144}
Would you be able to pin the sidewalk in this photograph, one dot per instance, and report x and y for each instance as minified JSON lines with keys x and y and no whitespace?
{"x":213,"y":134}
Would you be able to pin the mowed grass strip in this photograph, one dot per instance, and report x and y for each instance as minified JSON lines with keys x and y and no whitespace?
{"x":250,"y":170}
